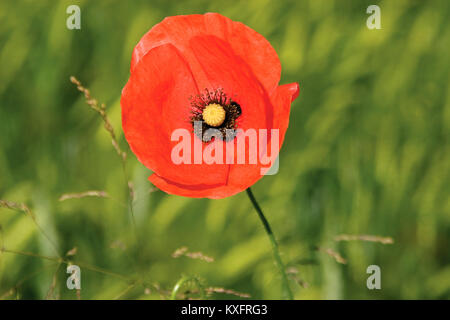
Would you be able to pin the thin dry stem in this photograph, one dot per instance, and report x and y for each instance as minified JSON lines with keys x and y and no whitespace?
{"x":127,"y":289}
{"x":68,"y":262}
{"x":51,"y":290}
{"x":101,"y":110}
{"x":72,"y":252}
{"x":211,"y":290}
{"x":21,"y":207}
{"x":364,"y":237}
{"x":16,"y":206}
{"x":293,"y":273}
{"x":183,"y":251}
{"x":336,"y":256}
{"x":90,"y":193}
{"x":11,"y":291}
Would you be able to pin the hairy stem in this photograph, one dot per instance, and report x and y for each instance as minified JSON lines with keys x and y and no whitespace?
{"x":276,"y":252}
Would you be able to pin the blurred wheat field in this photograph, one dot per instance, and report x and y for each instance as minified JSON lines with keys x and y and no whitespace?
{"x":367,"y":153}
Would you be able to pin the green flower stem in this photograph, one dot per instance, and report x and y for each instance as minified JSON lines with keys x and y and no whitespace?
{"x":276,"y":252}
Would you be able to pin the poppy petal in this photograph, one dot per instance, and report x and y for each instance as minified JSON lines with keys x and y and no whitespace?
{"x":246,"y":43}
{"x":243,"y":176}
{"x":222,"y":67}
{"x":155,"y":102}
{"x":194,"y":191}
{"x":282,"y":99}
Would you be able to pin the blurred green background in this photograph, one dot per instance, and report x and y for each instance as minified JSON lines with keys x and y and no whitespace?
{"x":367,"y":152}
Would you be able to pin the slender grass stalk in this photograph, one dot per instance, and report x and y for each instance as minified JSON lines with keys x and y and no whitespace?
{"x":21,"y":207}
{"x":60,"y":260}
{"x":101,"y":110}
{"x":276,"y":252}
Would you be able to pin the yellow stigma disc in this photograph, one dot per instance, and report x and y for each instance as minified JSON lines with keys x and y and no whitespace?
{"x":214,"y":114}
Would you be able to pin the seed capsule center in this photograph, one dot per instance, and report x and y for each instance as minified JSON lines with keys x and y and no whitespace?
{"x":214,"y":114}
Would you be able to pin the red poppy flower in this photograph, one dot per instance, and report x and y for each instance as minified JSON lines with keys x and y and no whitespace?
{"x":210,"y":69}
